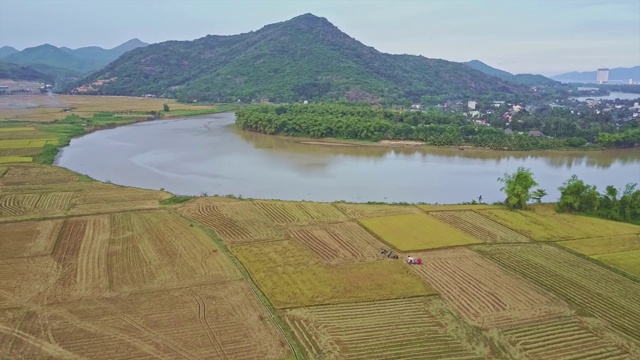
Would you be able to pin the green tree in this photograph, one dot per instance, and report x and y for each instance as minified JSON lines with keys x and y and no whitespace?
{"x":518,"y":186}
{"x":538,"y":194}
{"x":576,"y":196}
{"x":165,"y":108}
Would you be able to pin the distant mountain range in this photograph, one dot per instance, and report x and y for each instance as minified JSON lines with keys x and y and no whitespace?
{"x":519,"y":79}
{"x":64,"y":62}
{"x":19,"y":72}
{"x":616,"y":74}
{"x":306,"y":57}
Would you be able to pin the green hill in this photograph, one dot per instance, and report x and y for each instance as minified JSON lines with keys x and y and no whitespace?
{"x":6,"y":51}
{"x":303,"y":58}
{"x":518,"y":79}
{"x":18,"y":72}
{"x":52,"y":56}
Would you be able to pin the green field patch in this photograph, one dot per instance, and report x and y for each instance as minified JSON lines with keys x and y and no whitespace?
{"x":416,"y":232}
{"x":627,"y":261}
{"x":14,"y":159}
{"x":457,"y":207}
{"x":291,"y":276}
{"x":543,"y":224}
{"x":604,"y":245}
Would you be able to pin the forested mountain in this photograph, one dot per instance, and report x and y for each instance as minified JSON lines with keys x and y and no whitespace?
{"x":619,"y":74}
{"x":64,"y":64}
{"x":306,"y":57}
{"x":104,"y":56}
{"x":519,"y":79}
{"x":6,"y":51}
{"x":19,"y":72}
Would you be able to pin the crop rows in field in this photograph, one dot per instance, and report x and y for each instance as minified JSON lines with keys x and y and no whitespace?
{"x":546,"y":225}
{"x":479,"y":226}
{"x":28,"y":238}
{"x":152,"y":248}
{"x":621,"y":252}
{"x":12,"y":205}
{"x":415,"y":328}
{"x":300,"y":213}
{"x":235,"y":222}
{"x":20,"y":152}
{"x":290,"y":276}
{"x":200,"y":322}
{"x":416,"y":232}
{"x":600,"y":292}
{"x":338,"y":243}
{"x":357,"y":211}
{"x":566,"y":338}
{"x":26,"y":143}
{"x":31,"y":174}
{"x":483,"y":293}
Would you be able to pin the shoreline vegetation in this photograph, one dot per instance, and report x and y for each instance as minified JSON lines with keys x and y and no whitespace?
{"x":343,"y":123}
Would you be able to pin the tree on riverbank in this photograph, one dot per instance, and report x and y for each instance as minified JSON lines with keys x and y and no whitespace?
{"x":518,"y":186}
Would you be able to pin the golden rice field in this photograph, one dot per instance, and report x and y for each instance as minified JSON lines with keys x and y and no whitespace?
{"x":416,"y":232}
{"x":98,"y":271}
{"x":14,"y":159}
{"x":26,"y":143}
{"x":543,"y":224}
{"x":44,"y":108}
{"x":290,"y":276}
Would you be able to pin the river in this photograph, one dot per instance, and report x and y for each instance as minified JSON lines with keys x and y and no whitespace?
{"x":209,"y":155}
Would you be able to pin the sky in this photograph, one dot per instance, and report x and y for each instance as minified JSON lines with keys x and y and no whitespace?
{"x":526,"y":36}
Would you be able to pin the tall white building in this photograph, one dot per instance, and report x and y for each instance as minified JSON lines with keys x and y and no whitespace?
{"x":602,"y":77}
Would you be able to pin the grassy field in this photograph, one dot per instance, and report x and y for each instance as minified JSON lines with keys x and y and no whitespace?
{"x":416,"y":232}
{"x":98,"y":271}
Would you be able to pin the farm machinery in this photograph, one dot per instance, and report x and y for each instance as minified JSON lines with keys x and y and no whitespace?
{"x":389,"y":253}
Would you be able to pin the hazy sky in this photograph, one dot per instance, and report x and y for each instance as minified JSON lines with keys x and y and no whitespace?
{"x":539,"y":36}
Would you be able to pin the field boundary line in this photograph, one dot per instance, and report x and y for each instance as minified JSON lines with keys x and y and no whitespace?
{"x":70,"y":216}
{"x":428,"y":296}
{"x":295,"y":347}
{"x":596,"y":262}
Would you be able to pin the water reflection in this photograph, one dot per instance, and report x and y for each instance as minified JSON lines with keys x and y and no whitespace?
{"x":557,"y":159}
{"x":208,"y":154}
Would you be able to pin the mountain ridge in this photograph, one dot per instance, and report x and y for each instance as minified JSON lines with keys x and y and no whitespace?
{"x":519,"y":79}
{"x":618,"y":74}
{"x":304,"y":58}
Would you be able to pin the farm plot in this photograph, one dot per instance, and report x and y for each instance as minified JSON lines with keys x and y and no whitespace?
{"x":627,"y":261}
{"x":358,"y":211}
{"x":14,"y":159}
{"x":33,"y":175}
{"x":622,"y":252}
{"x":483,"y":293}
{"x":20,"y":152}
{"x":598,"y":291}
{"x":233,"y":221}
{"x":26,"y":143}
{"x":104,"y":198}
{"x":432,"y":208}
{"x":416,"y":232}
{"x":299,"y":213}
{"x":545,"y":225}
{"x":393,"y":329}
{"x":28,"y":238}
{"x":568,"y":338}
{"x":33,"y":205}
{"x":291,"y":276}
{"x":150,"y":249}
{"x":223,"y":321}
{"x":478,"y":226}
{"x":338,"y":243}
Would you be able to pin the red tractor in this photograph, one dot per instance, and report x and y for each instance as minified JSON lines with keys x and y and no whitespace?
{"x":414,"y":261}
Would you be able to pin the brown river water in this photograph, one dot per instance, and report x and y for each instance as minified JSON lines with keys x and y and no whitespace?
{"x":194,"y":156}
